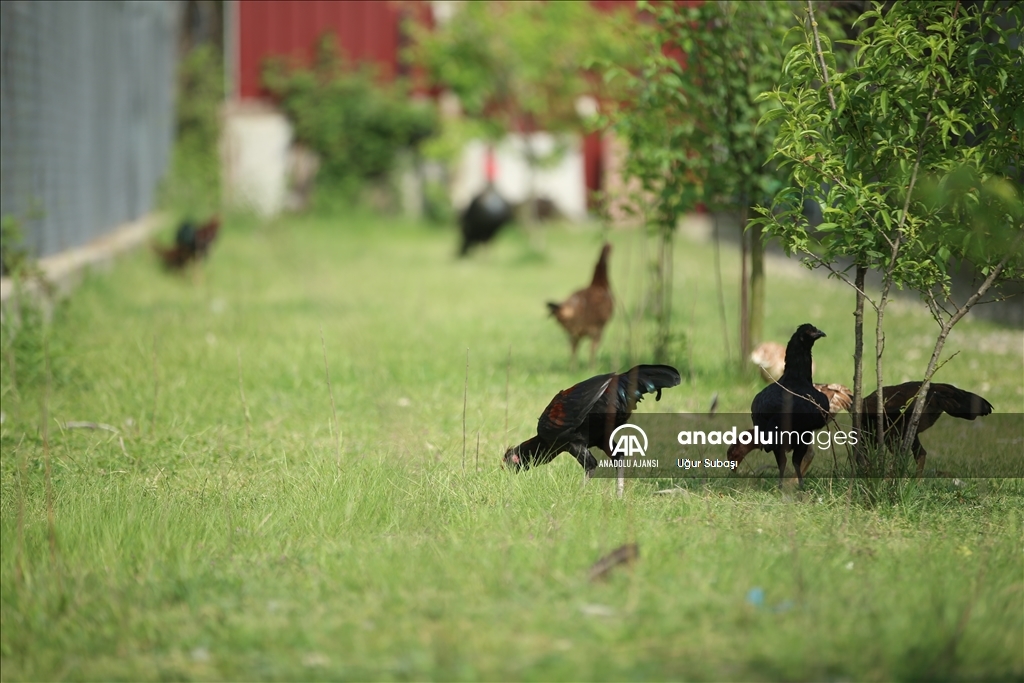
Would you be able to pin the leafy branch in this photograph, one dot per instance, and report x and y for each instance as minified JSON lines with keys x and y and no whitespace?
{"x":913,"y":152}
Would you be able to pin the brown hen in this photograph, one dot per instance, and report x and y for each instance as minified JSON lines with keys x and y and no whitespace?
{"x":586,"y":312}
{"x":770,"y":358}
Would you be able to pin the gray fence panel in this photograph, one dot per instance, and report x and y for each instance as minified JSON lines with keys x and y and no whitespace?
{"x":87,"y":114}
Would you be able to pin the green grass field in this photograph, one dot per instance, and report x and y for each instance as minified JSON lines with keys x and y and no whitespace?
{"x":227,"y":540}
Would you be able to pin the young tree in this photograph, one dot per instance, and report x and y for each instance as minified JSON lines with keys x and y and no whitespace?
{"x":734,"y":52}
{"x":914,"y":153}
{"x":655,"y":121}
{"x":692,"y":124}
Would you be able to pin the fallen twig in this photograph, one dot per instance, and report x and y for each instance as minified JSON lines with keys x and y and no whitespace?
{"x":76,"y":424}
{"x":623,"y":555}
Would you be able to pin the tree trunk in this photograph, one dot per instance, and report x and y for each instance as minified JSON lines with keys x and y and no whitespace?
{"x":757,"y":285}
{"x":879,"y":349}
{"x":744,"y":289}
{"x":718,"y":286}
{"x":527,"y":211}
{"x":858,"y":357}
{"x":663,"y":291}
{"x":530,"y":215}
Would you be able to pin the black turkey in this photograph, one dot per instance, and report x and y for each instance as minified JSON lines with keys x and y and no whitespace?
{"x":486,"y":214}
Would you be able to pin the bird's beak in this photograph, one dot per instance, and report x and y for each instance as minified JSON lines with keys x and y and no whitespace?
{"x":511,"y":461}
{"x":820,"y":334}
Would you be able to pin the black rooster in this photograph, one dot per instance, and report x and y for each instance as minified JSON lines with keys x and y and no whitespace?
{"x":839,"y":398}
{"x":205,"y":236}
{"x":899,"y":404}
{"x":585,"y":415}
{"x":185,"y":237}
{"x":190,"y":243}
{"x":792,"y":403}
{"x":486,"y":214}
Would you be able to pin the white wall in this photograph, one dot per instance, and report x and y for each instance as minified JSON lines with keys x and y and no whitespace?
{"x":255,"y":149}
{"x":257,"y":139}
{"x":564,"y":184}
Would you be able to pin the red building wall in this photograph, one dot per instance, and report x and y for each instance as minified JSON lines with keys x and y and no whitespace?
{"x":367,"y":31}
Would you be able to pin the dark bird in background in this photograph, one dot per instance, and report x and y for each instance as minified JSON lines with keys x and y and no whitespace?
{"x":190,"y":244}
{"x":173,"y":257}
{"x":899,"y":405}
{"x":205,"y":236}
{"x":792,"y":403}
{"x":587,"y":311}
{"x":487,"y":213}
{"x":840,"y":398}
{"x":586,"y":414}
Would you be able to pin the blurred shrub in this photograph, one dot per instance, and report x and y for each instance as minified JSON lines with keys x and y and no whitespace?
{"x":517,"y":65}
{"x":356,"y":124}
{"x":29,"y":355}
{"x":32,"y":354}
{"x":437,"y":205}
{"x":13,"y":254}
{"x":192,"y":184}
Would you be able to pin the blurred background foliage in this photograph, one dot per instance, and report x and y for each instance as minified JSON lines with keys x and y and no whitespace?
{"x":356,"y":123}
{"x":691,"y":118}
{"x":193,"y":180}
{"x":521,"y":65}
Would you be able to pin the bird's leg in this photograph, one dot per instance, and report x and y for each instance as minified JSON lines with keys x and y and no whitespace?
{"x":780,"y":459}
{"x":584,"y":457}
{"x":593,"y":350}
{"x":574,"y":342}
{"x":919,"y":454}
{"x":798,"y":456}
{"x":807,"y":460}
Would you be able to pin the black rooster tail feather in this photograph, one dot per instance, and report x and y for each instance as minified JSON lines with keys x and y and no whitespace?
{"x":663,"y":376}
{"x":651,"y":379}
{"x":965,"y":405}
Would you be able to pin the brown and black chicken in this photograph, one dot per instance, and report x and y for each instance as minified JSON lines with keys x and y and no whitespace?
{"x":586,"y":414}
{"x":899,"y":404}
{"x":191,"y":243}
{"x":587,"y":311}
